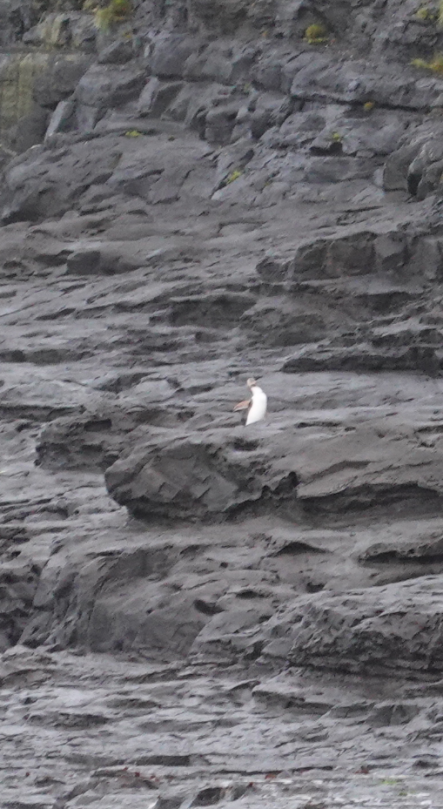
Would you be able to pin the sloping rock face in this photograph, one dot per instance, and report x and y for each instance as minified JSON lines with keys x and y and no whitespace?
{"x":383,"y":628}
{"x":198,"y":612}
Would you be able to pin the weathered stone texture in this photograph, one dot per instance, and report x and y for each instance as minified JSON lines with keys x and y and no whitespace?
{"x":195,"y":612}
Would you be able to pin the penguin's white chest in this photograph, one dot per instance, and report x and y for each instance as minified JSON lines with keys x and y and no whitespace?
{"x":257,"y":411}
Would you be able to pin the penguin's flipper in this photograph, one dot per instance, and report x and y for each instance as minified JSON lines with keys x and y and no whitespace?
{"x":242,"y":405}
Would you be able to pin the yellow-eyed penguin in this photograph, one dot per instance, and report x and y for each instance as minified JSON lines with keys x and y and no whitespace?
{"x":256,"y":405}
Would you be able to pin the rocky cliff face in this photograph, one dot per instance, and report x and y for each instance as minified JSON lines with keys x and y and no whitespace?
{"x":195,"y":612}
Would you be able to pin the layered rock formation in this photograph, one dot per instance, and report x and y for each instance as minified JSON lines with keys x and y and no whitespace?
{"x":215,"y":190}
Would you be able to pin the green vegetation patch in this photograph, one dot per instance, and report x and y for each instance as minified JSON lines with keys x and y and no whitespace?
{"x":435,"y":64}
{"x":425,"y":14}
{"x":117,"y":11}
{"x":233,"y":176}
{"x":316,"y":34}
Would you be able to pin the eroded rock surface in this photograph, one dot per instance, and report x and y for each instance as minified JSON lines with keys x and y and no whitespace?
{"x":195,"y":613}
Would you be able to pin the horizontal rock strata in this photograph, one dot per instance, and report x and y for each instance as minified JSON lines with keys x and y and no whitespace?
{"x":195,"y":612}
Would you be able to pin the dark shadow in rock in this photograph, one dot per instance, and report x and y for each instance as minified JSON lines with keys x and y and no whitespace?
{"x":294,"y":548}
{"x":243,"y":445}
{"x":407,"y":498}
{"x":221,"y":310}
{"x":208,"y":796}
{"x":206,"y":608}
{"x":418,"y":552}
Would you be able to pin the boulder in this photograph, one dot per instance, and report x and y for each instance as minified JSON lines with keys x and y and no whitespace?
{"x":92,"y":441}
{"x":220,"y":122}
{"x":390,"y":630}
{"x":105,"y":86}
{"x":60,"y":79}
{"x":416,"y":165}
{"x":218,"y":62}
{"x":193,"y":102}
{"x":198,"y":478}
{"x":169,"y":55}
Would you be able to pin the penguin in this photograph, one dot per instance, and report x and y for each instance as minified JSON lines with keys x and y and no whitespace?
{"x":256,"y":405}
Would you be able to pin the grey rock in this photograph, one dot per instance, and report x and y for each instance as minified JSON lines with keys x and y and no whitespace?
{"x":62,"y":118}
{"x":103,"y":260}
{"x":223,"y":64}
{"x":193,"y":103}
{"x":104,"y":86}
{"x":94,"y":441}
{"x":54,"y":29}
{"x":272,"y":269}
{"x":148,"y":96}
{"x":424,"y":171}
{"x":260,"y":621}
{"x":351,"y":254}
{"x":170,"y":54}
{"x":157,"y":96}
{"x":44,"y":183}
{"x":416,"y":164}
{"x":267,"y":73}
{"x":203,"y":479}
{"x":59,"y":80}
{"x":220,"y":122}
{"x":30,"y":130}
{"x":302,"y":128}
{"x":269,"y":110}
{"x":84,"y":261}
{"x":426,"y":259}
{"x":63,"y":29}
{"x":381,"y":636}
{"x":87,"y":117}
{"x":395,"y":170}
{"x":116,"y":53}
{"x":233,"y":158}
{"x":337,"y":169}
{"x":386,"y":714}
{"x":347,"y":82}
{"x":84,"y":34}
{"x":208,"y":796}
